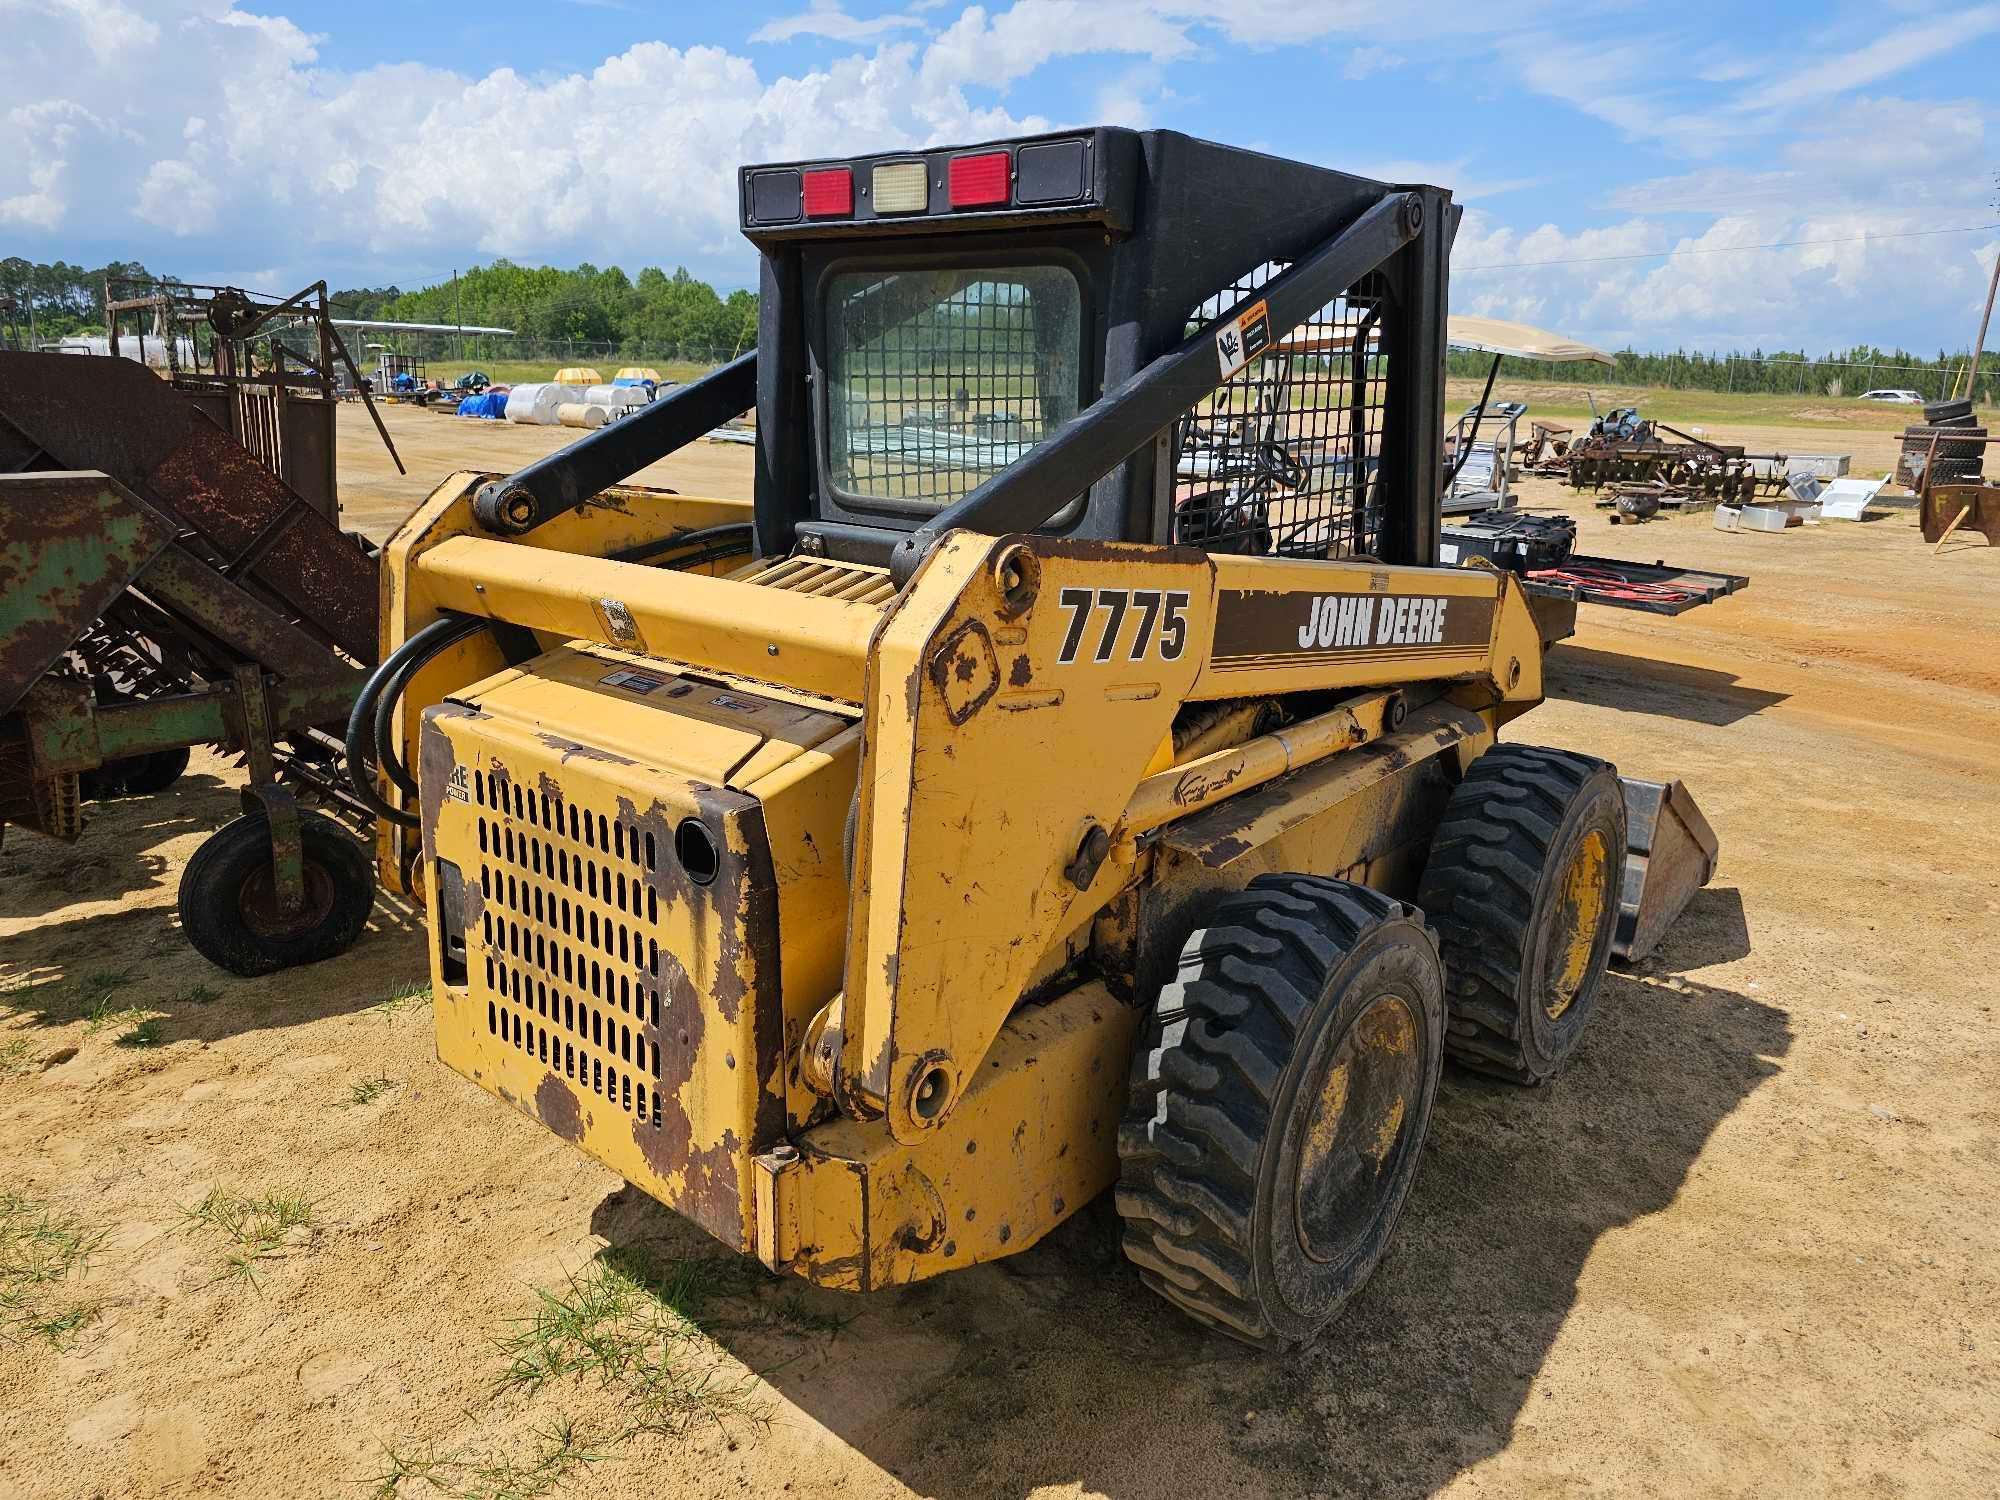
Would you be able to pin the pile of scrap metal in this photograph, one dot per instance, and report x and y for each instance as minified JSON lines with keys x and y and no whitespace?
{"x":1947,"y":447}
{"x":1623,"y":449}
{"x":172,"y":574}
{"x":1953,"y":495}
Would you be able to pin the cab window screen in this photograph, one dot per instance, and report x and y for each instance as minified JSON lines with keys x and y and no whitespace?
{"x":938,"y":379}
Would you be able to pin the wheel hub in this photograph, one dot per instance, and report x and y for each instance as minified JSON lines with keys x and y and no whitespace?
{"x":1355,"y":1135}
{"x":258,"y":901}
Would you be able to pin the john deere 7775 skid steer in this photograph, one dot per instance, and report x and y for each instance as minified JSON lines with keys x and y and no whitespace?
{"x":1071,"y":773}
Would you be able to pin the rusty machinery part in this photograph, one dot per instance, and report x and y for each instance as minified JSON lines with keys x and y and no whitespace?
{"x":254,"y":367}
{"x":1523,"y":886}
{"x":233,"y":315}
{"x":1280,"y":1096}
{"x":230,"y":912}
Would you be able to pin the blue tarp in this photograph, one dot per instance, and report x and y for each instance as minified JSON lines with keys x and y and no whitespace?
{"x":489,"y":404}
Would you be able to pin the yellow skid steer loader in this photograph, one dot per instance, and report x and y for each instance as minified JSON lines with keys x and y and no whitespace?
{"x":1071,"y":772}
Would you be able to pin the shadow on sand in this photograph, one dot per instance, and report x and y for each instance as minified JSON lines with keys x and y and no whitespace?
{"x":123,"y":948}
{"x":1057,"y":1368}
{"x":1606,"y":679}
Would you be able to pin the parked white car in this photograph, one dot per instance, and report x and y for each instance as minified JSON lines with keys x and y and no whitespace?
{"x":1899,"y":398}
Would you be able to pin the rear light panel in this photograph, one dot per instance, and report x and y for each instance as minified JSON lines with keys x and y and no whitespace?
{"x":1056,"y":177}
{"x":980,"y":181}
{"x":830,"y":193}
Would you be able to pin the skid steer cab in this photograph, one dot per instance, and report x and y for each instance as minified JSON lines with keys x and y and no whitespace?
{"x":1071,"y":772}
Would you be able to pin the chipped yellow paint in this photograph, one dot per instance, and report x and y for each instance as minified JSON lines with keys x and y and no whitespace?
{"x":1032,"y":1139}
{"x":1385,"y":1138}
{"x":1326,"y":1117}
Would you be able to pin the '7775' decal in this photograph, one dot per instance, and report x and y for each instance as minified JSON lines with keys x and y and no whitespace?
{"x":1161,"y":618}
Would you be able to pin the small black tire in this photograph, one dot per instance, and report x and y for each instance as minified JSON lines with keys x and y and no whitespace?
{"x":1522,"y":883}
{"x":148,"y":775}
{"x":227,"y":907}
{"x":1245,"y":1202}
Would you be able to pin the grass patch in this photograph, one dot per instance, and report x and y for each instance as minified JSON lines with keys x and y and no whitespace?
{"x":794,"y":1313}
{"x":256,"y":1229}
{"x":40,"y":1249}
{"x":14,"y":1058}
{"x":106,"y":1012}
{"x":634,"y":1324}
{"x":404,"y":997}
{"x":198,"y":994}
{"x":560,"y":1450}
{"x":146,"y":1034}
{"x":55,"y":1000}
{"x":368,"y":1091}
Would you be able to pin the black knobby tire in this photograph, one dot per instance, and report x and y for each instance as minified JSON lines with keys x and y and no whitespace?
{"x":148,"y":775}
{"x":1279,"y":1099}
{"x":1522,"y":884}
{"x":229,"y":912}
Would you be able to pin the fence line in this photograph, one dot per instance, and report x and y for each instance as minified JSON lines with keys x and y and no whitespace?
{"x":605,"y":354}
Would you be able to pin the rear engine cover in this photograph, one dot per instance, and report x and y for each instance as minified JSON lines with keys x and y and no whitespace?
{"x":607,"y":914}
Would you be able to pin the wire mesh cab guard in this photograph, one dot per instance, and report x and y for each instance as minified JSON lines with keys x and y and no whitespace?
{"x":1282,"y":457}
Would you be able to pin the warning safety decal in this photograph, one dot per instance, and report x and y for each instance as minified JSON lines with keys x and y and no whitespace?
{"x":1243,"y":338}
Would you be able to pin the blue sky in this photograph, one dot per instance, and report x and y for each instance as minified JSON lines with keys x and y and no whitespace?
{"x":274,"y":143}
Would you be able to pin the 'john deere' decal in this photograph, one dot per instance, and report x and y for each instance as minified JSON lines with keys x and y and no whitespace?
{"x":1256,"y":629}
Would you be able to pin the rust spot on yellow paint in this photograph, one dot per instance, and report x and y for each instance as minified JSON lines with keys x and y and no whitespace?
{"x":556,"y":1107}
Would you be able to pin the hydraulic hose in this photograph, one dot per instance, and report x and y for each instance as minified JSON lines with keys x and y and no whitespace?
{"x":375,"y":708}
{"x":708,"y":538}
{"x":371,"y":740}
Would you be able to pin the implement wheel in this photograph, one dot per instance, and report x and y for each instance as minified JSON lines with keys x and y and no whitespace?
{"x":228,"y":899}
{"x":1523,"y":884}
{"x":147,"y":775}
{"x":1279,"y":1099}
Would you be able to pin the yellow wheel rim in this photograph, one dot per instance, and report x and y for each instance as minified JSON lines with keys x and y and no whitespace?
{"x":1579,"y":909}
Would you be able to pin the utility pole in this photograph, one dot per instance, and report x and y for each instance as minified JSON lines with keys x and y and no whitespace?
{"x":1972,"y":365}
{"x":458,"y":314}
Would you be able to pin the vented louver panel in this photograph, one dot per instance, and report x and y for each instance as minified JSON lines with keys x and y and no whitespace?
{"x":572,"y":972}
{"x":823,"y":579}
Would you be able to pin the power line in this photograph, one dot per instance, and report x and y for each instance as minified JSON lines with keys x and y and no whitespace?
{"x":1592,"y":260}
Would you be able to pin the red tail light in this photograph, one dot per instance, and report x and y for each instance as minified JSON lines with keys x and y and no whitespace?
{"x":977,"y":181}
{"x":830,"y":194}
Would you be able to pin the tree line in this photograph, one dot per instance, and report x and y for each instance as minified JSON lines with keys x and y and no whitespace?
{"x":1783,"y":372}
{"x":656,"y":313}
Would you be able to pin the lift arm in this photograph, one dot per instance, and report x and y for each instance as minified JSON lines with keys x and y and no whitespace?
{"x":552,"y":486}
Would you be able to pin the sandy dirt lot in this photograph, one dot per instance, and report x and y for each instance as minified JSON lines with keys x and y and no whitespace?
{"x":1747,"y":1245}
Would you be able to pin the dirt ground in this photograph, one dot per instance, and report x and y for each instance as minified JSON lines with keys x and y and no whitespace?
{"x":1747,"y":1244}
{"x":374,"y":497}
